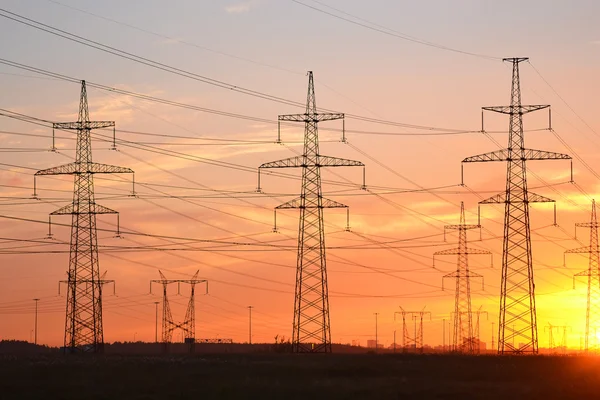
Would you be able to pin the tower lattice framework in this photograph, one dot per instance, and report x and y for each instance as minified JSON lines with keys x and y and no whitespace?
{"x":311,"y":326}
{"x":517,"y":317}
{"x":188,"y":326}
{"x":463,"y":317}
{"x":417,"y":337}
{"x":83,"y":325}
{"x":592,"y":314}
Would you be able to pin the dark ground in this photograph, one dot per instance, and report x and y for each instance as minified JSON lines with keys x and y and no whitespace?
{"x":288,"y":376}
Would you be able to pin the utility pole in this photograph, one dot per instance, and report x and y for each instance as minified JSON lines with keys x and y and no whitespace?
{"x":83,"y":328}
{"x":517,"y":293}
{"x":592,"y":313}
{"x":311,"y":327}
{"x":376,"y":337}
{"x":449,"y":337}
{"x":156,"y":323}
{"x":188,"y":326}
{"x":493,"y":340}
{"x":35,"y":323}
{"x":463,"y":321}
{"x":250,"y":325}
{"x":444,"y":335}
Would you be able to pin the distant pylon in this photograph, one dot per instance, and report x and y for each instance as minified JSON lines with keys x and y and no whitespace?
{"x":517,"y":317}
{"x":83,"y":326}
{"x":463,"y":319}
{"x":550,"y":329}
{"x":416,"y":339}
{"x":592,"y":314}
{"x":552,"y":337}
{"x":478,"y":327}
{"x":188,"y":326}
{"x":311,"y":327}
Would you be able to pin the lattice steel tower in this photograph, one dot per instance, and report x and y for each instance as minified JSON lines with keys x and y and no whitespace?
{"x":83,"y":326}
{"x":592,"y":315}
{"x":517,"y":317}
{"x":418,"y":332}
{"x":311,"y":327}
{"x":188,"y":326}
{"x":463,"y":317}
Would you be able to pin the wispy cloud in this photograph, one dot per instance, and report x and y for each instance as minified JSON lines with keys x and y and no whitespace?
{"x":241,"y":7}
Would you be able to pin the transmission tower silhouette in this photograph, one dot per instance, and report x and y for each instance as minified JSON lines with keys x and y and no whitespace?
{"x":477,"y":328}
{"x":592,"y":314}
{"x":83,"y":325}
{"x":188,"y":326}
{"x":416,"y":339}
{"x":517,"y":317}
{"x":463,"y":318}
{"x":552,"y":336}
{"x":311,"y":326}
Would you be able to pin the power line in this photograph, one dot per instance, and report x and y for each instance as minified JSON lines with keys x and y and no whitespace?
{"x":180,"y":72}
{"x":387,"y":31}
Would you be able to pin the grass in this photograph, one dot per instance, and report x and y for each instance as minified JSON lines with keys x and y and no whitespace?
{"x":286,"y":376}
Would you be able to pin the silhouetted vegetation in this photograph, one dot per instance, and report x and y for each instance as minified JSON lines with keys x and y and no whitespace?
{"x":23,"y":347}
{"x":293,"y":376}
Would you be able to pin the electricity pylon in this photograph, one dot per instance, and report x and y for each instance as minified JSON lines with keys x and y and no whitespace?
{"x":417,"y":338}
{"x":592,"y":314}
{"x":551,"y":337}
{"x":477,"y":328}
{"x":83,"y":325}
{"x":311,"y":326}
{"x":188,"y":326}
{"x":463,"y":321}
{"x":517,"y":317}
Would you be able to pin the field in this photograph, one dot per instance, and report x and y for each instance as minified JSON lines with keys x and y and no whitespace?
{"x":287,"y":376}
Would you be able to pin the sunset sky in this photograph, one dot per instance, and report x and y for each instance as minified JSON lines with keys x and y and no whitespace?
{"x":201,"y":183}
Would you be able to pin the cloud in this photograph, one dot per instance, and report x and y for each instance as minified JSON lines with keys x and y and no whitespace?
{"x":241,"y":7}
{"x":596,"y":42}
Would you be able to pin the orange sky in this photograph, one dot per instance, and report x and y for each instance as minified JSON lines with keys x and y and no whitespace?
{"x":363,"y":72}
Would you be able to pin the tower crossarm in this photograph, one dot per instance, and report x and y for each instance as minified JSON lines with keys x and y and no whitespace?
{"x":516,"y":109}
{"x":532,"y":198}
{"x":507,"y":155}
{"x":311,"y":117}
{"x":321,"y":161}
{"x":457,"y":274}
{"x":584,"y":249}
{"x":461,"y":227}
{"x":457,"y":251}
{"x":297,"y":203}
{"x":587,"y":225}
{"x":81,"y":125}
{"x":70,"y":210}
{"x":84,"y":168}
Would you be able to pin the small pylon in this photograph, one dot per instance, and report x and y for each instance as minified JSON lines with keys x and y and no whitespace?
{"x":416,"y":339}
{"x":592,"y":314}
{"x":463,"y":320}
{"x":188,"y":326}
{"x":311,"y":328}
{"x":83,"y":324}
{"x":552,"y":346}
